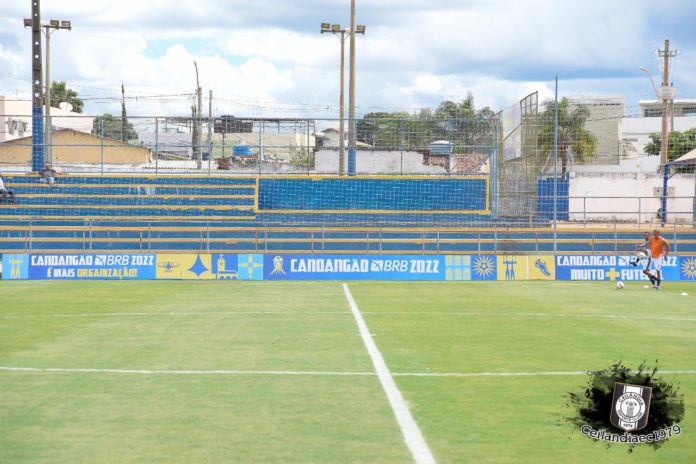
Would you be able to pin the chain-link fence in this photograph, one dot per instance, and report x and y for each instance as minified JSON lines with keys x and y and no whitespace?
{"x":529,"y":156}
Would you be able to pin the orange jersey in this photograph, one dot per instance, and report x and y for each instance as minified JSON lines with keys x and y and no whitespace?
{"x":657,"y":246}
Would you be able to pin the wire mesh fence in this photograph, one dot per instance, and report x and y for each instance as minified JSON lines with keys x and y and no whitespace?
{"x":537,"y":165}
{"x":98,"y":236}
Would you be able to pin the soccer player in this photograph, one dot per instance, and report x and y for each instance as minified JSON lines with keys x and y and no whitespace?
{"x":659,"y":249}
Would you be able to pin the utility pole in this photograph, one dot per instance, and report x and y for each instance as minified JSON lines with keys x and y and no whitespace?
{"x":197,"y":123}
{"x":55,"y":25}
{"x":37,"y":94}
{"x":667,"y":97}
{"x":209,"y":143}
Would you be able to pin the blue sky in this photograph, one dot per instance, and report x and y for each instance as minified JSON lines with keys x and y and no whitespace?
{"x":267,"y":58}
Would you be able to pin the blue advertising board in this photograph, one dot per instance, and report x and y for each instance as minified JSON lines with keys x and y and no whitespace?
{"x":354,"y":267}
{"x":609,"y":267}
{"x":91,"y":266}
{"x":337,"y":267}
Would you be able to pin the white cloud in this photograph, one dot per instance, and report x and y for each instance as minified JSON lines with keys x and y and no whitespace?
{"x":268,"y":55}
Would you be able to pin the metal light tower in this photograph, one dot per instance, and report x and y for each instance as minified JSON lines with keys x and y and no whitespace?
{"x":49,"y":28}
{"x":341,"y":34}
{"x":37,"y":142}
{"x":351,"y":92}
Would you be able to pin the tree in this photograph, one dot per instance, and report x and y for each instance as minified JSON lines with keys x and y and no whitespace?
{"x":383,"y":130}
{"x":61,"y":93}
{"x":460,"y":123}
{"x":110,"y":126}
{"x":573,"y":139}
{"x":680,"y":143}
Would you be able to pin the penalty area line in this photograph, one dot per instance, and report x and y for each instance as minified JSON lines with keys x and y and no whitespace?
{"x":413,"y":437}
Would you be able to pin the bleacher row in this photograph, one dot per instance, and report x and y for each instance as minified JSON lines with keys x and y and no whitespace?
{"x":178,"y":214}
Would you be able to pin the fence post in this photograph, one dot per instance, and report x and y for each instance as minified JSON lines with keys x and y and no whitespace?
{"x":156,"y":145}
{"x":101,"y":138}
{"x":91,"y":237}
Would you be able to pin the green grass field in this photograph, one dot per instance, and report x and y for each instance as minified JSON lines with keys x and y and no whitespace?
{"x":278,"y":372}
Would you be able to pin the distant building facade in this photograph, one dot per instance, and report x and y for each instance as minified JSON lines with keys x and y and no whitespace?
{"x":15,"y":119}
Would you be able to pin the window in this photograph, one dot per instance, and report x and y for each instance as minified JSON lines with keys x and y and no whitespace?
{"x":653,"y":112}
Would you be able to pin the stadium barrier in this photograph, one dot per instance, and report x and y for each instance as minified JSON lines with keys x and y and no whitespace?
{"x":231,"y":267}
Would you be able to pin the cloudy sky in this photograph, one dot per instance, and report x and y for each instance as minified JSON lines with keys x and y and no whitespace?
{"x":267,"y":57}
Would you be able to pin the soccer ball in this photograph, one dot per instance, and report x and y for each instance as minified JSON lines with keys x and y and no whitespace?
{"x":619,"y":285}
{"x":641,"y":256}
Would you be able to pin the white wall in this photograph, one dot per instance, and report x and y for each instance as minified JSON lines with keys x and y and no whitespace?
{"x":629,"y":197}
{"x":377,"y":162}
{"x":20,"y":110}
{"x":638,"y":130}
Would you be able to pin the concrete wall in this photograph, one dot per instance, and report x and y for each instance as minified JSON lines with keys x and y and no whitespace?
{"x":630,"y":197}
{"x":76,"y":147}
{"x":377,"y":162}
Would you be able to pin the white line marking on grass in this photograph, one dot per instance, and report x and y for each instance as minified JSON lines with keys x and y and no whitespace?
{"x":412,"y":435}
{"x":178,"y":372}
{"x":510,"y":374}
{"x":387,"y":313}
{"x":154,"y":372}
{"x":603,"y":316}
{"x":172,"y":313}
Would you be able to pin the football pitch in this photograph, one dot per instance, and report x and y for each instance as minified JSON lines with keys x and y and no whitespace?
{"x":217,"y":371}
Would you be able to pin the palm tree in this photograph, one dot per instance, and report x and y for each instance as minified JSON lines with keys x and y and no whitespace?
{"x":573,"y":139}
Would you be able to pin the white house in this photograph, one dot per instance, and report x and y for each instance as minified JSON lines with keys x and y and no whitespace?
{"x":15,"y":119}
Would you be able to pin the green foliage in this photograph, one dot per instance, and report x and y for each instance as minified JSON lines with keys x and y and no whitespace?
{"x":460,"y":123}
{"x":680,"y":143}
{"x":61,"y":93}
{"x":301,"y":157}
{"x":573,"y":139}
{"x":111,"y":126}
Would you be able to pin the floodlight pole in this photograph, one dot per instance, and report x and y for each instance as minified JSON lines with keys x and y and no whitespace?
{"x":341,"y":34}
{"x":555,"y":166}
{"x":351,"y":92}
{"x":37,"y":94}
{"x":55,"y":25}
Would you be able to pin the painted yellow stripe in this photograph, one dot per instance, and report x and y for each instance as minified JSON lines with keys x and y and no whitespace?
{"x":370,"y":211}
{"x":58,"y":185}
{"x":104,"y":195}
{"x":145,"y":207}
{"x":380,"y":176}
{"x":130,"y":218}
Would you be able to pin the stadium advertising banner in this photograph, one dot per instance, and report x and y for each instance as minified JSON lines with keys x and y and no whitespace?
{"x":233,"y":267}
{"x":520,"y":267}
{"x":210,"y":266}
{"x":80,"y":266}
{"x":355,"y":267}
{"x":610,"y":267}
